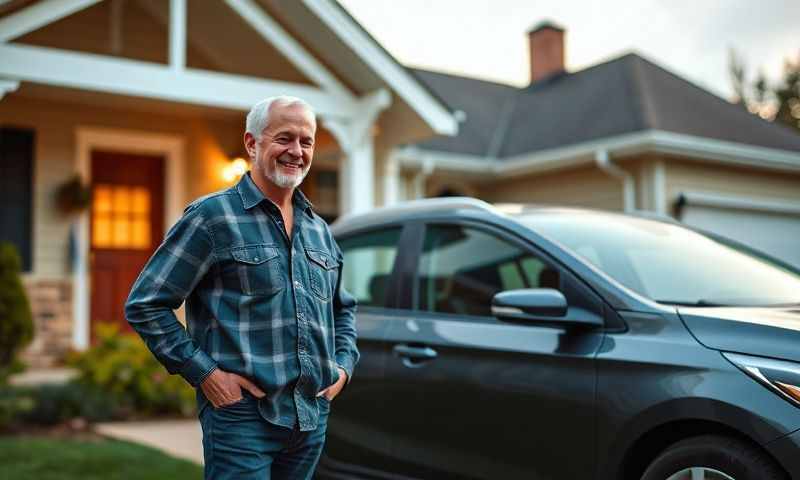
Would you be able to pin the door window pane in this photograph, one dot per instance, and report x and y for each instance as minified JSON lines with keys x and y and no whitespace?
{"x":368,"y":263}
{"x":462,"y":268}
{"x":121,"y":217}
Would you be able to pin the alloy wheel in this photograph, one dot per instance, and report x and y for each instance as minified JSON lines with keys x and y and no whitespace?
{"x":700,"y":473}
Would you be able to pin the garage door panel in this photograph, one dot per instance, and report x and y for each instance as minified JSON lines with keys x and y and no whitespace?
{"x":777,"y":234}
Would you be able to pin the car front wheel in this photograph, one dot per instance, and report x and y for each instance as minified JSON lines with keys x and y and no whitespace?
{"x":713,"y":457}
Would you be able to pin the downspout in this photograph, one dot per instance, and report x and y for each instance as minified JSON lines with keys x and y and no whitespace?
{"x":603,"y":162}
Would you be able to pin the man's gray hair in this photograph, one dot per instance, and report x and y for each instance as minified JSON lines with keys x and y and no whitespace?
{"x":258,"y":118}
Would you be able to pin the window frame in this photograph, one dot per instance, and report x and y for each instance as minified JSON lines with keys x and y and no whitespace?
{"x":21,"y":144}
{"x":410,"y":277}
{"x":390,"y":300}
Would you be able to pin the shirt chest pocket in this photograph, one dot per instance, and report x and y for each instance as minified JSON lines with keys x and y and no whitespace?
{"x":256,"y":269}
{"x":322,"y":273}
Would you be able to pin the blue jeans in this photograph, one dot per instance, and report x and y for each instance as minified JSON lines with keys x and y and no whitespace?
{"x":239,"y":444}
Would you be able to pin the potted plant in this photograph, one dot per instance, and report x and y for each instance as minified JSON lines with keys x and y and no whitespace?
{"x":73,"y":196}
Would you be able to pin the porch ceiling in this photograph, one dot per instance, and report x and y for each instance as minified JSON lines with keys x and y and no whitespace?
{"x":217,"y":38}
{"x":227,"y":54}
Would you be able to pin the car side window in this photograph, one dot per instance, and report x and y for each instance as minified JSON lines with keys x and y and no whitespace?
{"x":462,"y":268}
{"x":368,"y":262}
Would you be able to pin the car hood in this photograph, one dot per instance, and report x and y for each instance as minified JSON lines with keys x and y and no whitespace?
{"x":767,"y":332}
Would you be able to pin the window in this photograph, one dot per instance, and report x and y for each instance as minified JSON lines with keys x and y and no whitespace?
{"x":16,"y":191}
{"x":120,"y":217}
{"x":368,"y":263}
{"x":462,"y":268}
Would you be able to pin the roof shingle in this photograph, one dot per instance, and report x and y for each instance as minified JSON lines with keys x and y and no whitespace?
{"x":624,"y":95}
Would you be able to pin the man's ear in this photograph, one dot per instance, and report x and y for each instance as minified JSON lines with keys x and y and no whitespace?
{"x":250,"y":145}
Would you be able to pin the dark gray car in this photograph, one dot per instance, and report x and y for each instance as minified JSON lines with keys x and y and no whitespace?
{"x":555,"y":343}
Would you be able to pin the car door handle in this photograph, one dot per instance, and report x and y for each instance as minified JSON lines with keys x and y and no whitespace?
{"x":417,"y":353}
{"x":414,"y":356}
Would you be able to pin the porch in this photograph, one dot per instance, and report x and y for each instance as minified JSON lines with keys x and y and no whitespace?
{"x":145,"y":102}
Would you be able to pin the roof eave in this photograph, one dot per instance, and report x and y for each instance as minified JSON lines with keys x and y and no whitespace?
{"x":652,"y":141}
{"x":438,"y":117}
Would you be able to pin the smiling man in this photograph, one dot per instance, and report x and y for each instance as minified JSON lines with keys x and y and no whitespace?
{"x":271,"y":332}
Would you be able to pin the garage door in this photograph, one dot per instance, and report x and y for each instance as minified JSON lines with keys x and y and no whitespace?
{"x":772,"y":226}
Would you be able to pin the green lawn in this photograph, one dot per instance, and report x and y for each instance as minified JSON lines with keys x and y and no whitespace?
{"x":39,"y":458}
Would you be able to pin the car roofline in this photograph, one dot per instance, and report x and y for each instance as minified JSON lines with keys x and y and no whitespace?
{"x":423,"y":205}
{"x":448,"y":204}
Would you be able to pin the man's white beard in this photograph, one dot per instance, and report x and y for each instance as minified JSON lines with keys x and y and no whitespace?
{"x":284,"y":180}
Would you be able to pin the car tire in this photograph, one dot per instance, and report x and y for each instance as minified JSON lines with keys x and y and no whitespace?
{"x":732,"y":457}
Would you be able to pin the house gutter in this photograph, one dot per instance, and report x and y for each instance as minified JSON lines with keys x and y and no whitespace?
{"x":652,"y":141}
{"x":603,"y":162}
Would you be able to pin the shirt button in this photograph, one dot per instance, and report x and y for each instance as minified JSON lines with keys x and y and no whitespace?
{"x":297,"y":284}
{"x":256,"y":259}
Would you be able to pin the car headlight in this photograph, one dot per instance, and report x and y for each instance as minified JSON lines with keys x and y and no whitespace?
{"x":779,"y":376}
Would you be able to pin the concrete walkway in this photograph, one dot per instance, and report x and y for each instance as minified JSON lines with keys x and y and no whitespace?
{"x":45,"y":376}
{"x":179,"y":438}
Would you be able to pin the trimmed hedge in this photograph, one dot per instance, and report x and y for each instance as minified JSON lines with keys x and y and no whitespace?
{"x":16,"y":321}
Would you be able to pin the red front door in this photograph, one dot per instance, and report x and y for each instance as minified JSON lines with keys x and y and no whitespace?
{"x":127,"y":224}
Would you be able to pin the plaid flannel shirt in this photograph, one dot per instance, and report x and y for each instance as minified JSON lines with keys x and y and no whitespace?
{"x":258,"y":303}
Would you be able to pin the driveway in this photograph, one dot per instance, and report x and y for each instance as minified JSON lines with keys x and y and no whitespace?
{"x":179,"y":438}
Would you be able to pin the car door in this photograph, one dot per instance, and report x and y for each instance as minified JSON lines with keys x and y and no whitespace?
{"x":475,"y":397}
{"x":358,"y":436}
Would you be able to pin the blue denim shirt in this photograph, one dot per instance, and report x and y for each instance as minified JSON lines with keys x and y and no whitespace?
{"x":258,"y":303}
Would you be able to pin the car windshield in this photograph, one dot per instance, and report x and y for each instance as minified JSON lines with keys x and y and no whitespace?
{"x":669,"y":263}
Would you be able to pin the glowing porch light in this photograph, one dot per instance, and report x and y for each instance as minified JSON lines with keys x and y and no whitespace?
{"x":235,"y":169}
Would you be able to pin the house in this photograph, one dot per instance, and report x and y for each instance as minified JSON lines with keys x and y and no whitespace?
{"x":146,"y":100}
{"x":621,"y":135}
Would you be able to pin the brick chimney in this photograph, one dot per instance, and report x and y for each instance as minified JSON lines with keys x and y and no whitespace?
{"x":546,"y":43}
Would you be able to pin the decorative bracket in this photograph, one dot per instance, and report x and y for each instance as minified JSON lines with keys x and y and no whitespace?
{"x":353,"y":132}
{"x":7,"y":86}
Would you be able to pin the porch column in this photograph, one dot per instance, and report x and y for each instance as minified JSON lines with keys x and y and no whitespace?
{"x":357,"y":173}
{"x":391,"y":180}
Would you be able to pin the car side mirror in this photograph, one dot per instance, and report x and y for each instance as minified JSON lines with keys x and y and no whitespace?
{"x":537,"y":305}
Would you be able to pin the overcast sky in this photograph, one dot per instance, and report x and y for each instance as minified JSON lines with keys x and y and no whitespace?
{"x":487,"y":38}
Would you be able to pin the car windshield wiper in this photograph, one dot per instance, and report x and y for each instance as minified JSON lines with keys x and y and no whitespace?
{"x":698,"y":303}
{"x":707,"y":303}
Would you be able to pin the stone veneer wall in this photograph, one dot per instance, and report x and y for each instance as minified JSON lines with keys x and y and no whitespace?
{"x":51,"y":305}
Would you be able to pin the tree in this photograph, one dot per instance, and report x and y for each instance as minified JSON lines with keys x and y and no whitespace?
{"x":16,"y":323}
{"x":788,"y":95}
{"x":778,"y":102}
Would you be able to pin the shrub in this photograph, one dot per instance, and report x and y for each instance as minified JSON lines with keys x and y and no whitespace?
{"x":16,"y":323}
{"x":54,"y":404}
{"x":13,"y":406}
{"x":120,"y":364}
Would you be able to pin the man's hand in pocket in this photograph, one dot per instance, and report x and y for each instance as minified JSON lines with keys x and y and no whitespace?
{"x":332,"y":391}
{"x":224,"y":388}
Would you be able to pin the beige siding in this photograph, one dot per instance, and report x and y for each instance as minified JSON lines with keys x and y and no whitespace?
{"x":584,"y":186}
{"x":683,"y":175}
{"x":209,"y":145}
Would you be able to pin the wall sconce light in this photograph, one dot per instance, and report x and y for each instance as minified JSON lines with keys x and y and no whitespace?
{"x":235,"y":169}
